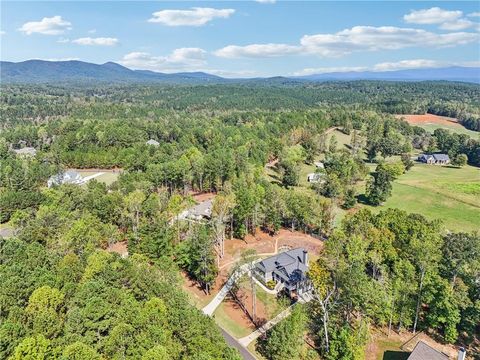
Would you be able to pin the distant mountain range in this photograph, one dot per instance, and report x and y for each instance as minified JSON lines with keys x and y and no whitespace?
{"x":40,"y":71}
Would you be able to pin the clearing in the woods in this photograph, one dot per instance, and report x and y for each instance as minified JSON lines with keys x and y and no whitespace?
{"x":432,"y":122}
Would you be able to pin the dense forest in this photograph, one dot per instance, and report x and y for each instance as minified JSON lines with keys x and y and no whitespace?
{"x":65,"y":297}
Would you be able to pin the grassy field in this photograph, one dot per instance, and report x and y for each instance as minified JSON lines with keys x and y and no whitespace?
{"x":438,"y":192}
{"x":453,"y":128}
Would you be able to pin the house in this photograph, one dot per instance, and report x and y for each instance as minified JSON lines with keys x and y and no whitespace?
{"x":426,"y":158}
{"x":319,"y":165}
{"x":202,"y":211}
{"x":152,"y":142}
{"x":287,"y":269}
{"x":314,"y":178}
{"x":68,"y":177}
{"x":438,"y":159}
{"x":441,"y":159}
{"x":26,"y":152}
{"x":423,"y":351}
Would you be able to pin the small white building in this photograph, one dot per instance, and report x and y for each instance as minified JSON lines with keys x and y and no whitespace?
{"x":68,"y":177}
{"x":314,"y":178}
{"x":153,"y":142}
{"x":319,"y":165}
{"x":26,"y":152}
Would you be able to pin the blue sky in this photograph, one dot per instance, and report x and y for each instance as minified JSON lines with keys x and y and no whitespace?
{"x":245,"y":38}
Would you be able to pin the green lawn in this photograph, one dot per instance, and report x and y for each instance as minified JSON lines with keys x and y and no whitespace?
{"x":230,"y":325}
{"x":456,"y":128}
{"x":343,"y":140}
{"x":108,"y":177}
{"x":390,"y":350}
{"x":445,"y":193}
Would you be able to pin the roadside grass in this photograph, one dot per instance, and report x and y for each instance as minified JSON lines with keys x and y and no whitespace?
{"x":223,"y":320}
{"x":273,"y":305}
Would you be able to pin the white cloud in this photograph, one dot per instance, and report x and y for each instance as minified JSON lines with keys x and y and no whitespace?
{"x":61,"y":59}
{"x":408,"y":64}
{"x":92,"y":31}
{"x":196,"y":16}
{"x":257,"y":50}
{"x":63,"y":40}
{"x":47,"y":26}
{"x":452,"y":20}
{"x":474,"y":14}
{"x":389,"y":66}
{"x":100,"y":41}
{"x":179,"y":59}
{"x":358,"y":38}
{"x":456,"y":25}
{"x":434,"y":15}
{"x":266,"y":1}
{"x":323,"y":70}
{"x":231,"y":73}
{"x":2,"y":32}
{"x":369,"y":38}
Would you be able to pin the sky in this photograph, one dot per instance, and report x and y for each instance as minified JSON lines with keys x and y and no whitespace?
{"x":245,"y":38}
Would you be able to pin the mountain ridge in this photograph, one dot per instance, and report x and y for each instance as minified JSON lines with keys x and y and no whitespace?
{"x":43,"y":71}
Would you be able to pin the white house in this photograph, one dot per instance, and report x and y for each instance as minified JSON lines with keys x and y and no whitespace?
{"x":153,"y":142}
{"x":314,"y":178}
{"x":319,"y":165}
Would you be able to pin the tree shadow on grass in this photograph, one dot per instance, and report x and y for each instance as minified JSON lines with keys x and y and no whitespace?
{"x":395,"y":355}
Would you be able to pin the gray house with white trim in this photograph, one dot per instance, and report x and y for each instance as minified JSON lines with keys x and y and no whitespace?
{"x":287,"y":269}
{"x":437,"y":159}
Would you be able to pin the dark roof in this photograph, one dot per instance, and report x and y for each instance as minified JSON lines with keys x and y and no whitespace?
{"x":426,"y":156}
{"x":422,"y":351}
{"x":441,"y":157}
{"x":287,"y":265}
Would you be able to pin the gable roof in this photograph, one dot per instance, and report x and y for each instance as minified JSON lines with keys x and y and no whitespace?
{"x":441,"y":157}
{"x":423,"y":351}
{"x":288,"y":265}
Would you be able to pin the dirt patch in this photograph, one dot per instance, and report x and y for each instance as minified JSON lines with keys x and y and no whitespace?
{"x":120,"y":248}
{"x":429,"y":119}
{"x":237,"y":312}
{"x":265,"y":244}
{"x":192,"y":287}
{"x":201,"y":197}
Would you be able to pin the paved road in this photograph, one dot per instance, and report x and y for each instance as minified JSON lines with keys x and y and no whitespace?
{"x":231,"y":341}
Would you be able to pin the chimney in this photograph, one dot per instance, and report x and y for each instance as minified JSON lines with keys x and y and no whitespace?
{"x":462,"y":353}
{"x":305,"y":257}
